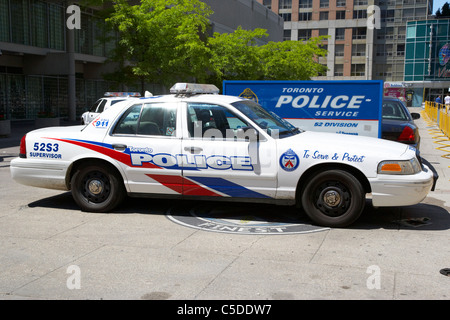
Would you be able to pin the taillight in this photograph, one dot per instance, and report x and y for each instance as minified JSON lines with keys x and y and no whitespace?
{"x":407,"y":135}
{"x":23,"y":147}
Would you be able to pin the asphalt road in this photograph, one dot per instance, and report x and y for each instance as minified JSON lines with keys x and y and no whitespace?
{"x":187,"y":250}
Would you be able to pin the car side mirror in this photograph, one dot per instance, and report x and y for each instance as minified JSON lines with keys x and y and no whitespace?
{"x":415,"y":116}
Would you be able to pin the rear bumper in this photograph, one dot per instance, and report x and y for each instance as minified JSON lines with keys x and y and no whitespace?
{"x":42,"y":174}
{"x":402,"y":190}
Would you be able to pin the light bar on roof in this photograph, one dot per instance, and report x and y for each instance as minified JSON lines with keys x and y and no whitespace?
{"x":193,"y":88}
{"x":122,"y":94}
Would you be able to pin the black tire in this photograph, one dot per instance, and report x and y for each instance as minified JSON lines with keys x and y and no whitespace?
{"x":97,"y":188}
{"x":333,"y":198}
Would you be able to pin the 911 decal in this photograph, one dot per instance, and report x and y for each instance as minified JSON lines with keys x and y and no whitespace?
{"x":100,"y":123}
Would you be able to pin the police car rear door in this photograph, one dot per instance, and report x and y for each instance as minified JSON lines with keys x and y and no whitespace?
{"x":147,"y":134}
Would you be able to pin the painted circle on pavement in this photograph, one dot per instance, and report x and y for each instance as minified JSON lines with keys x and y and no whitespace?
{"x":261,"y":219}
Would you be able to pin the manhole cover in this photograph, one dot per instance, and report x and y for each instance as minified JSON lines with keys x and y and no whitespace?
{"x":243,"y":219}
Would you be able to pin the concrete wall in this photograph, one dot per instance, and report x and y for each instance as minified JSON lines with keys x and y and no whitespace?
{"x":249,"y":14}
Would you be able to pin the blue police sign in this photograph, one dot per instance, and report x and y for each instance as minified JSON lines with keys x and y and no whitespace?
{"x":346,"y":107}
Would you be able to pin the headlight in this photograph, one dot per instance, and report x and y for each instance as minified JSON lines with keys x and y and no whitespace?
{"x":399,"y":167}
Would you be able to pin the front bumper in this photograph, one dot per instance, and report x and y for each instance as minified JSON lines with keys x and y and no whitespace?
{"x":402,"y":190}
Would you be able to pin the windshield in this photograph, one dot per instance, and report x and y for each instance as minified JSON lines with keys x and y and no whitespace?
{"x":266,"y":120}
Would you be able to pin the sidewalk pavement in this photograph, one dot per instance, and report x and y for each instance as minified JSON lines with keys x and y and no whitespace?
{"x":431,"y":139}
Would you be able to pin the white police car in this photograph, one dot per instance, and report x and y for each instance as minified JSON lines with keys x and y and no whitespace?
{"x":210,"y":146}
{"x":109,"y":99}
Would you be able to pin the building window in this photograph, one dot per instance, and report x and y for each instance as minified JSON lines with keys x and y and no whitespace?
{"x":400,"y":50}
{"x":340,"y":3}
{"x":339,"y":50}
{"x":360,"y":3}
{"x":324,"y":3}
{"x":324,"y":47}
{"x":358,"y":50}
{"x":323,"y":32}
{"x":338,"y":70}
{"x":305,"y":4}
{"x":359,"y":33}
{"x":304,"y":34}
{"x":359,"y":14}
{"x":287,"y":35}
{"x":358,"y":70}
{"x":286,"y":16}
{"x":285,"y":4}
{"x":340,"y":33}
{"x":387,"y":15}
{"x":268,"y":3}
{"x":340,"y":15}
{"x":304,"y":16}
{"x":323,"y":15}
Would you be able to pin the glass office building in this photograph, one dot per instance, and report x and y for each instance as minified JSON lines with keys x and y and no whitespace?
{"x":427,"y":55}
{"x":34,"y":63}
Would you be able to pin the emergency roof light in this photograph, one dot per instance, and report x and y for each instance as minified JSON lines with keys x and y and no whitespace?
{"x":193,"y":88}
{"x":122,"y":94}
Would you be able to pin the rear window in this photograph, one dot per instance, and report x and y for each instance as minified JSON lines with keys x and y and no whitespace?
{"x":394,"y":110}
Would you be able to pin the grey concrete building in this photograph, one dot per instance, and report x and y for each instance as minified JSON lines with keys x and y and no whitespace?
{"x":47,"y":68}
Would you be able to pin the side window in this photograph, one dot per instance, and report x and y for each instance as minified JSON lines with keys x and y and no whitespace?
{"x":128,"y":123}
{"x":95,"y":105}
{"x":158,"y":119}
{"x":213,"y":122}
{"x":101,"y":107}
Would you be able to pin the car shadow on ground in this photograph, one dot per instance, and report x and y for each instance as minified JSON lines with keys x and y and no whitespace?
{"x":430,"y":215}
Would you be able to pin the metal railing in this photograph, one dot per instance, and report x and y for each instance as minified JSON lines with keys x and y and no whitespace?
{"x":439,"y":113}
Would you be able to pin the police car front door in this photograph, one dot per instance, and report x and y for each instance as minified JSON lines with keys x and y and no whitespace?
{"x":221,"y":158}
{"x":146,"y":134}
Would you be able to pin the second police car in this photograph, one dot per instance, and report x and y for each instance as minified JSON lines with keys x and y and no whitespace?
{"x":191,"y":144}
{"x":109,"y":99}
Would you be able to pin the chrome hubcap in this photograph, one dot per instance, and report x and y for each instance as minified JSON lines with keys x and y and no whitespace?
{"x":95,"y":187}
{"x":332,"y":198}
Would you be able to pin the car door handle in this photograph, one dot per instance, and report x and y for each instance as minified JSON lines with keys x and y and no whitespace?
{"x":119,"y":147}
{"x":193,"y":149}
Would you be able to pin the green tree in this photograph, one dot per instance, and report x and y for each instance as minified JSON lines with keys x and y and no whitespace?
{"x":292,"y":60}
{"x":236,"y":56}
{"x":444,"y":11}
{"x":163,"y":39}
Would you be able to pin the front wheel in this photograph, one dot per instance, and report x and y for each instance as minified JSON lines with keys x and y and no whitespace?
{"x":97,"y":188}
{"x":333,"y":198}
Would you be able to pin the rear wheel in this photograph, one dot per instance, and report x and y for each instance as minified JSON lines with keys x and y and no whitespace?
{"x":333,"y":198}
{"x":97,"y":188}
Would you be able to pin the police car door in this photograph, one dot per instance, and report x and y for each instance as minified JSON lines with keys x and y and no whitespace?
{"x":221,"y":158}
{"x":147,"y":134}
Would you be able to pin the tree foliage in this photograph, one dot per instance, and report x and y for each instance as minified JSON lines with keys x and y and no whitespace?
{"x":444,"y":11}
{"x":167,"y":41}
{"x":163,"y":38}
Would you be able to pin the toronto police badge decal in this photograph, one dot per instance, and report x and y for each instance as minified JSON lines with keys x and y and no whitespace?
{"x":289,"y":160}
